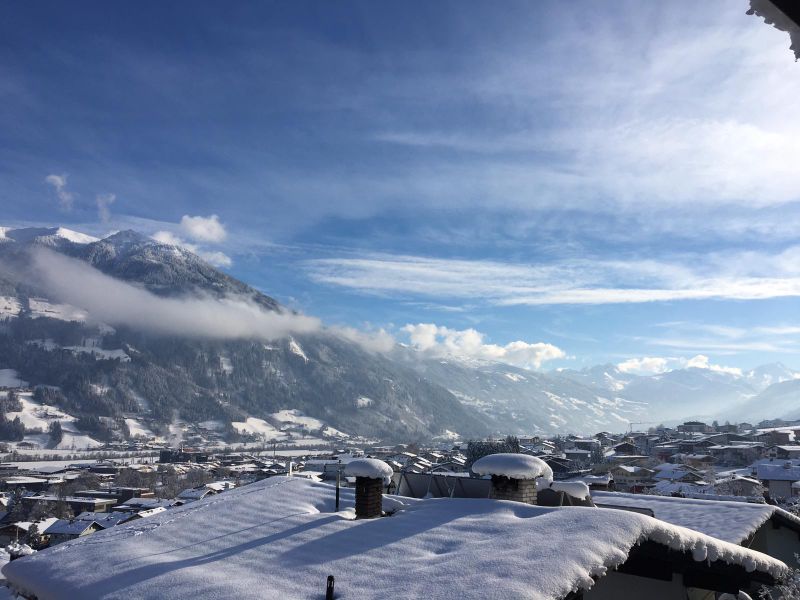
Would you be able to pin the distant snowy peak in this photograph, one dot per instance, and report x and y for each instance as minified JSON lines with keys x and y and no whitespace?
{"x":48,"y":236}
{"x":766,"y":375}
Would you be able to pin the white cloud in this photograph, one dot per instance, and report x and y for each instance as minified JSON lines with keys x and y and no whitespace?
{"x":375,"y":341}
{"x":469,"y":343}
{"x":731,"y":275}
{"x":702,"y":362}
{"x":104,"y":202}
{"x":655,"y":365}
{"x":646,"y":365}
{"x":216,"y":258}
{"x":117,"y":302}
{"x":59,"y":183}
{"x":204,"y":229}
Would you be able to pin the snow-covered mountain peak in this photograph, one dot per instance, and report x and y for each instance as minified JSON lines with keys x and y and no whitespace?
{"x":49,"y":236}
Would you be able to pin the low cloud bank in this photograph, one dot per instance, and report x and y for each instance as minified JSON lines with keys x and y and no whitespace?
{"x":117,"y":302}
{"x":655,"y":365}
{"x":469,"y":343}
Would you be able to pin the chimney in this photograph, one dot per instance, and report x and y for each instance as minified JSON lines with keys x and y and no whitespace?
{"x":513,"y":475}
{"x":371,"y":477}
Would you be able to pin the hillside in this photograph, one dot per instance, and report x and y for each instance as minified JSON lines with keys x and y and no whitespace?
{"x":96,"y":370}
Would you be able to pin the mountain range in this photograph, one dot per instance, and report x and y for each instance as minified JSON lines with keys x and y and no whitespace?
{"x":101,"y":369}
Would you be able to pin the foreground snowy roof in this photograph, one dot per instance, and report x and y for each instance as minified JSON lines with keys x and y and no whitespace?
{"x":729,"y":521}
{"x":514,"y":466}
{"x":279,"y":538}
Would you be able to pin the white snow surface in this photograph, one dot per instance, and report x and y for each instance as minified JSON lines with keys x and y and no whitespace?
{"x":369,"y":467}
{"x":9,"y":307}
{"x":280,"y":538}
{"x":65,"y":312}
{"x":138,"y":430}
{"x":295,"y":348}
{"x":514,"y":466}
{"x":10,"y":378}
{"x":576,"y":489}
{"x":39,"y":416}
{"x":726,"y":520}
{"x":255,"y":426}
{"x":295,"y":417}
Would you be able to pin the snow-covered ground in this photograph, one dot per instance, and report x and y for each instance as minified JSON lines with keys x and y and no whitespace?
{"x":42,"y":308}
{"x":295,"y":417}
{"x":10,"y":378}
{"x":77,"y":441}
{"x":260,"y":427}
{"x":280,"y":538}
{"x":137,"y":429}
{"x":226,"y":365}
{"x":38,"y":416}
{"x":364,"y":402}
{"x":9,"y":307}
{"x":100,"y":353}
{"x":295,"y":348}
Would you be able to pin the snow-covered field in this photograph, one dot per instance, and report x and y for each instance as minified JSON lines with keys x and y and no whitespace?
{"x":9,"y":307}
{"x":42,"y":308}
{"x":10,"y":378}
{"x":295,"y":417}
{"x":138,"y":430}
{"x":38,"y":416}
{"x":260,"y":427}
{"x":77,"y":441}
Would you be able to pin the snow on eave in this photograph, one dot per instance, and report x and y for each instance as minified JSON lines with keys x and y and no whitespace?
{"x":729,"y":520}
{"x":772,"y":15}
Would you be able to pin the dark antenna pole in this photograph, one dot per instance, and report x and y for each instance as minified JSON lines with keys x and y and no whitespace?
{"x":338,"y":480}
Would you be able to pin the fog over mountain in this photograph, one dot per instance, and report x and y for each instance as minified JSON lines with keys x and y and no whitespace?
{"x":127,"y":326}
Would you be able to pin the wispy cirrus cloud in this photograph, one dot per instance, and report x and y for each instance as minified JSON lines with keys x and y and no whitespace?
{"x":736,"y":275}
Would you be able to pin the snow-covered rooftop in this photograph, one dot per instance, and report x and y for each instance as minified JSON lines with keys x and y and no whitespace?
{"x":729,"y":521}
{"x":514,"y":466}
{"x":280,"y":538}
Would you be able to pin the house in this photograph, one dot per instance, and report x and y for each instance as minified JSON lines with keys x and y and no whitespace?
{"x":626,"y":449}
{"x":761,"y":527}
{"x":64,"y":530}
{"x":192,"y":494}
{"x":10,"y":532}
{"x":481,"y":547}
{"x":782,"y":452}
{"x":774,"y":437}
{"x":694,"y":427}
{"x":778,"y":477}
{"x":76,"y":505}
{"x":632,"y":477}
{"x":679,"y":473}
{"x":580,"y":458}
{"x":698,"y":461}
{"x":737,"y":454}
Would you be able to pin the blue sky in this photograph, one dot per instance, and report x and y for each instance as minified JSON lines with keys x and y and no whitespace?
{"x":602,"y":181}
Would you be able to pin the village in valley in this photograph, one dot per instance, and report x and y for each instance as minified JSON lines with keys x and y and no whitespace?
{"x":733,"y":485}
{"x":452,"y":300}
